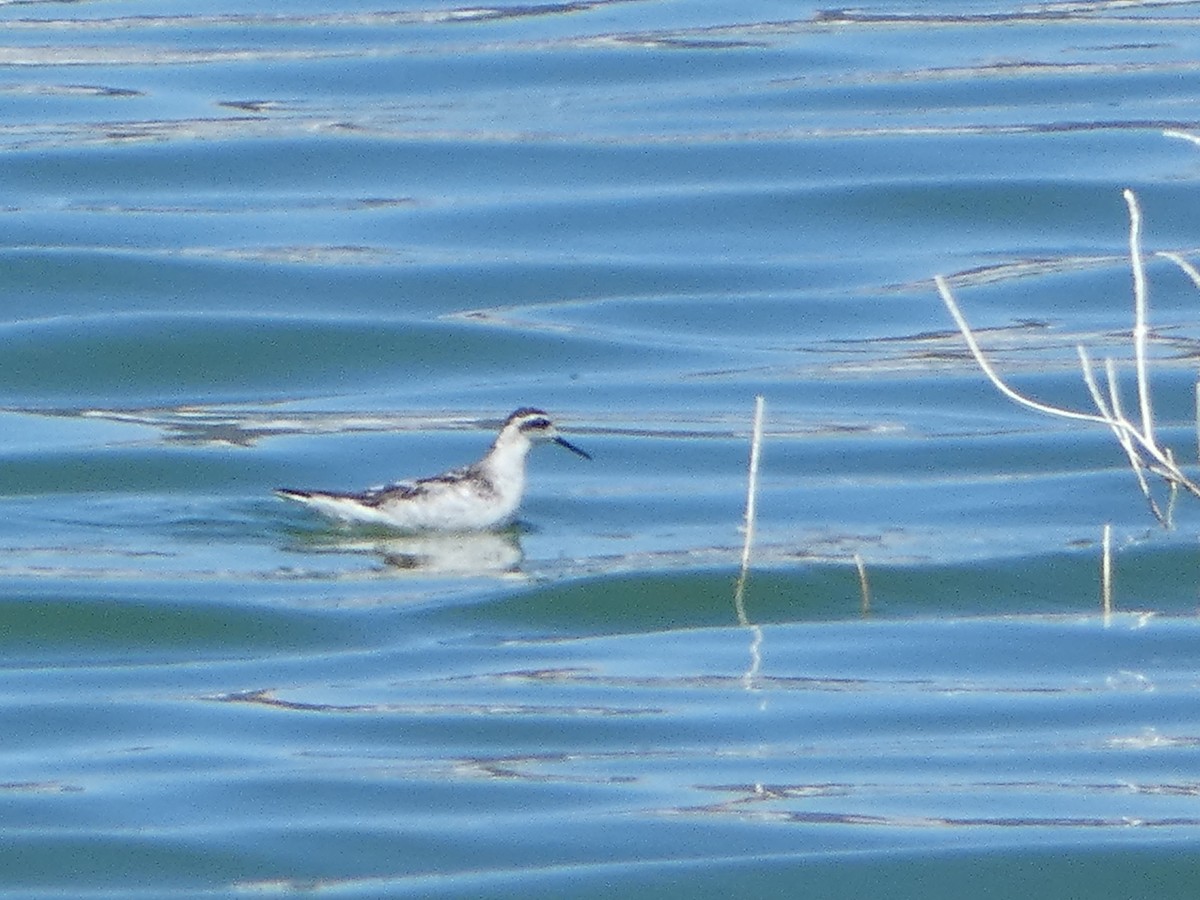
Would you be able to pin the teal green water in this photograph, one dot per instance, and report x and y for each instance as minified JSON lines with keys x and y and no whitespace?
{"x":246,"y":246}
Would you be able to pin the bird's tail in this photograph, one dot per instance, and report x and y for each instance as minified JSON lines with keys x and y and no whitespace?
{"x":293,"y":494}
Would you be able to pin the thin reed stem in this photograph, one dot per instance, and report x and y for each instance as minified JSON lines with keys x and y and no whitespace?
{"x":1184,"y":135}
{"x":1186,"y":267}
{"x":985,"y":364}
{"x":1118,"y":423}
{"x":751,"y":516}
{"x":1141,"y":329}
{"x":1106,"y":573}
{"x":752,"y":484}
{"x":864,"y":586}
{"x":1139,"y":442}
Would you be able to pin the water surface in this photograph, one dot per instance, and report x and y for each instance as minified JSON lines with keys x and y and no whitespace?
{"x":331,"y":246}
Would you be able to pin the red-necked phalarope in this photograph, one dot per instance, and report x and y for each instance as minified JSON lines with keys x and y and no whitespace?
{"x":482,"y":495}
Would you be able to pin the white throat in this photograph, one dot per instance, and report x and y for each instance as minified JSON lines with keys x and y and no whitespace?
{"x":504,"y":464}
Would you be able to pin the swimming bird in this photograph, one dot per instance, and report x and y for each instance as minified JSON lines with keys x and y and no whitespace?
{"x":483,"y":495}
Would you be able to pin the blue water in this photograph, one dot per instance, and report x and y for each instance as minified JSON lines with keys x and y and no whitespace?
{"x":329,"y":245}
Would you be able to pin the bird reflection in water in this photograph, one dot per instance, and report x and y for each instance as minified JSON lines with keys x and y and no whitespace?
{"x":450,"y":553}
{"x":426,"y":553}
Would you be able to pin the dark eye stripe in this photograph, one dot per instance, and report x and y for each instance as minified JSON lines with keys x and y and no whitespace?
{"x":536,"y":423}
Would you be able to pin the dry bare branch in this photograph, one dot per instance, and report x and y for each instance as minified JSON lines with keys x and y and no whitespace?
{"x":1139,"y":443}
